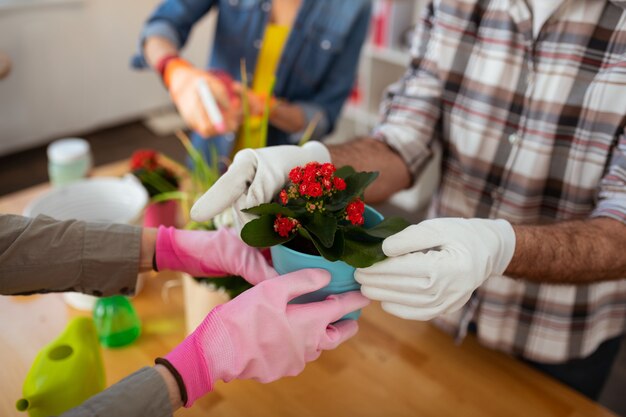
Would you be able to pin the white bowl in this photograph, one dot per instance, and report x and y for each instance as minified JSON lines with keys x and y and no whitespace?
{"x":101,"y":199}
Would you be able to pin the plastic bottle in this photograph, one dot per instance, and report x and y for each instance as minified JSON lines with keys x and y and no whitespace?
{"x":116,"y":321}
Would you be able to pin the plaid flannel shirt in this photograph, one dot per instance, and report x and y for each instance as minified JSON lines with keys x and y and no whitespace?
{"x":532,"y":131}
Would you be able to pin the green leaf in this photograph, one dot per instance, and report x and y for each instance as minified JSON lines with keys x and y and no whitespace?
{"x":389,"y":226}
{"x":361,"y":254}
{"x":364,"y":247}
{"x":270,"y":208}
{"x":297,"y":203}
{"x":156,"y":182}
{"x":193,"y":225}
{"x":260,"y":233}
{"x":244,"y":103}
{"x":173,"y":195}
{"x":337,"y":203}
{"x":355,"y":185}
{"x":308,"y":132}
{"x":344,"y":171}
{"x":359,"y":233}
{"x":323,"y":227}
{"x":333,"y":253}
{"x":298,"y":211}
{"x":205,"y":174}
{"x":357,"y":182}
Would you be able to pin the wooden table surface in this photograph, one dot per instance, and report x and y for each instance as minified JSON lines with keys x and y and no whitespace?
{"x":392,"y":367}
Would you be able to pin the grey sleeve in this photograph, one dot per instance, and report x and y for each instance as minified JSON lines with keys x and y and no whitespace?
{"x":46,"y":255}
{"x":143,"y":393}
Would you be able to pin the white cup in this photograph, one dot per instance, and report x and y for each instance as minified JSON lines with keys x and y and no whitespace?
{"x":69,"y":160}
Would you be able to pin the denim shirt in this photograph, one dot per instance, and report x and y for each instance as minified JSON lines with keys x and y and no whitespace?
{"x":319,"y":61}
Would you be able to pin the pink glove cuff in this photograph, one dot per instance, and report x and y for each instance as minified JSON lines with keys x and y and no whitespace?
{"x":173,"y":253}
{"x":198,"y":358}
{"x":165,"y":256}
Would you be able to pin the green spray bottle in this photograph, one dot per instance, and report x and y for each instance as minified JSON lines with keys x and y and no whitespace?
{"x":65,"y":373}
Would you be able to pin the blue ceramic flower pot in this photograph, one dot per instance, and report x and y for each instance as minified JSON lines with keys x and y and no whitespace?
{"x":287,"y":260}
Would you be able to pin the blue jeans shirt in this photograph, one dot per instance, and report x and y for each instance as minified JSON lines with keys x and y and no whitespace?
{"x":318,"y":64}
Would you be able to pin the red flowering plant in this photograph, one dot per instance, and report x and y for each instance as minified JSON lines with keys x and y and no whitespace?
{"x":321,"y":211}
{"x":145,"y":164}
{"x":163,"y":175}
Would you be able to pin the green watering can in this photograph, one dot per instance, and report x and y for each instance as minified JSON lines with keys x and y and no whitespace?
{"x":65,"y":373}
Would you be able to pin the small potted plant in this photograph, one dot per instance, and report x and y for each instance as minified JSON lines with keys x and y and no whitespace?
{"x":201,"y":294}
{"x":147,"y":165}
{"x":319,"y":220}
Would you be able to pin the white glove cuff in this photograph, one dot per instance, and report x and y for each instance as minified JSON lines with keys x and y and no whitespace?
{"x":317,"y":151}
{"x":506,"y":234}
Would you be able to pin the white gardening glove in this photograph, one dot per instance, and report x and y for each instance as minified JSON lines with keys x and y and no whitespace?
{"x":434,"y":267}
{"x":255,"y":177}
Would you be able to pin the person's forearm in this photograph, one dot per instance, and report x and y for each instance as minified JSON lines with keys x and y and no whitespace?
{"x":572,"y":252}
{"x":288,"y":117}
{"x":368,"y":154}
{"x":46,"y":255}
{"x":172,"y":386}
{"x":147,"y":392}
{"x":156,"y":47}
{"x":146,"y":250}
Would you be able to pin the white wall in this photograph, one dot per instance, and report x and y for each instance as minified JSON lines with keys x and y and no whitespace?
{"x":71,"y":69}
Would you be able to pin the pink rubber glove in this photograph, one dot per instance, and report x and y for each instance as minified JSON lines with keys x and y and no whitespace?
{"x":210,"y":254}
{"x":259,"y":336}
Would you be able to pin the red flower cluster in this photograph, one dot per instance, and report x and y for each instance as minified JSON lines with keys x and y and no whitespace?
{"x":285,"y":225}
{"x":315,"y":183}
{"x":145,"y":164}
{"x":144,"y":159}
{"x":312,"y":181}
{"x":295,"y":175}
{"x":283,"y":197}
{"x":354,"y":212}
{"x":312,"y":189}
{"x":339,"y":183}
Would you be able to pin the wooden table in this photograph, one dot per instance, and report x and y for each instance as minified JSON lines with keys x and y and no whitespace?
{"x":393,"y":367}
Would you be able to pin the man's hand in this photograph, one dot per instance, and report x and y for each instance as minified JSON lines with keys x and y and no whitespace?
{"x":254,"y":177}
{"x":433,"y":267}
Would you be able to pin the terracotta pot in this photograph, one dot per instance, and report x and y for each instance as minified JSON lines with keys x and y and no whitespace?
{"x":200,"y":299}
{"x":164,"y":213}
